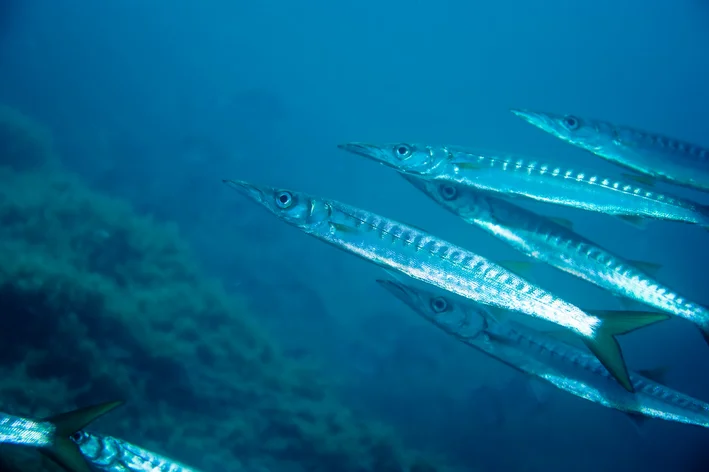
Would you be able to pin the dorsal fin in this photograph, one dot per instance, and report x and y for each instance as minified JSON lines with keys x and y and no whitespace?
{"x":520,"y":268}
{"x":646,"y":180}
{"x":650,"y":268}
{"x":499,"y":314}
{"x":636,"y":221}
{"x":627,"y":303}
{"x":656,"y":374}
{"x":568,"y":224}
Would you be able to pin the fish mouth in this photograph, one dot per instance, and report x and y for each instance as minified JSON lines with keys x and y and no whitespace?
{"x":543,"y":121}
{"x":526,"y":115}
{"x":397,"y":289}
{"x":362,"y":149}
{"x":369,"y":151}
{"x":248,"y":190}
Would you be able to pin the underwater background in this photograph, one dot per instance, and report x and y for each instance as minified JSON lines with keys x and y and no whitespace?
{"x":129,"y":271}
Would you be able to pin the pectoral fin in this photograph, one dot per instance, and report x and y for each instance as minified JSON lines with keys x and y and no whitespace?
{"x":469,"y":165}
{"x":540,"y":390}
{"x":342,"y":227}
{"x":638,"y":420}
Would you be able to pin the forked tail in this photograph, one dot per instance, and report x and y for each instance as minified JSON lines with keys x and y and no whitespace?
{"x":606,"y":348}
{"x":64,"y":451}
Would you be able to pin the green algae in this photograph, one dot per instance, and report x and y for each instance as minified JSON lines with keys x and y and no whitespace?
{"x":101,"y":303}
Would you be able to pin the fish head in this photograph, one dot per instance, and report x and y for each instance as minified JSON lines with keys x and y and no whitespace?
{"x":462,"y":200}
{"x":443,"y":310}
{"x":412,"y":159}
{"x":295,"y":208}
{"x":90,"y":444}
{"x":584,"y":133}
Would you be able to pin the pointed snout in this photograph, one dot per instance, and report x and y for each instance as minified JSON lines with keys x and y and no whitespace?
{"x":526,"y":115}
{"x":254,"y":192}
{"x":362,"y":149}
{"x":399,"y":290}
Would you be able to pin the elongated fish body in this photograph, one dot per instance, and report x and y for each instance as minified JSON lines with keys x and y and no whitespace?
{"x":25,"y":431}
{"x":109,"y":454}
{"x":424,"y":257}
{"x":654,"y":155}
{"x":564,"y":366}
{"x":547,"y":241}
{"x":514,"y":176}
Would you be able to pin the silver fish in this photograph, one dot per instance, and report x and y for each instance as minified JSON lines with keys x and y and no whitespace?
{"x":653,"y":155}
{"x":109,"y":454}
{"x":25,"y":431}
{"x":515,"y":176}
{"x":545,"y":357}
{"x":556,"y":244}
{"x":52,"y":435}
{"x":424,"y":257}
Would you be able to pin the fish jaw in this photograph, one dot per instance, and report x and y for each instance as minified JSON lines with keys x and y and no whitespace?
{"x":254,"y":192}
{"x":544,"y":121}
{"x":412,"y":159}
{"x":401,"y":291}
{"x":372,"y":152}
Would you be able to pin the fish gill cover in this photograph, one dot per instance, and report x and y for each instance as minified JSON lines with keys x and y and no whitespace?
{"x":100,"y":303}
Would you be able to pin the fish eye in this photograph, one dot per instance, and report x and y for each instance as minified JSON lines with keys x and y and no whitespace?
{"x":76,"y":437}
{"x":571,"y":122}
{"x":284,"y":199}
{"x":448,"y":192}
{"x":439,"y":304}
{"x":403,"y":151}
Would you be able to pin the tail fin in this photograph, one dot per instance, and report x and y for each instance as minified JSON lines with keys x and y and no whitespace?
{"x":64,"y":451}
{"x":606,"y":348}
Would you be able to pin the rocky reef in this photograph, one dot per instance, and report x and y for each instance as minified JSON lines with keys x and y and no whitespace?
{"x":100,"y":303}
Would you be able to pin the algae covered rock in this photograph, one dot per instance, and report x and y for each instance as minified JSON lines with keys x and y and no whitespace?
{"x":24,"y":143}
{"x":100,"y":303}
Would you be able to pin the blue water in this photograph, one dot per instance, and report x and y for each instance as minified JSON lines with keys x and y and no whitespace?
{"x":156,"y":102}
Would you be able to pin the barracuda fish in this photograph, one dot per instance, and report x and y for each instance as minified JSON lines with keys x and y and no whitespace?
{"x":543,"y":356}
{"x":109,"y":454}
{"x":424,"y":257}
{"x":522,"y":177}
{"x":653,"y":155}
{"x":52,"y":435}
{"x":63,"y":439}
{"x":556,"y":244}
